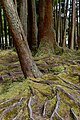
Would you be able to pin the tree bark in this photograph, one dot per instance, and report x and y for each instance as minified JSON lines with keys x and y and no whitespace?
{"x":73,"y":25}
{"x":46,"y":31}
{"x":28,"y":66}
{"x":32,"y":25}
{"x":64,"y":33}
{"x":23,"y":14}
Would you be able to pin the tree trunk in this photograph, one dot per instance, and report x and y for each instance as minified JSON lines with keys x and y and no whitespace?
{"x":32,"y":25}
{"x":0,"y":26}
{"x":46,"y":31}
{"x":28,"y":66}
{"x":41,"y":19}
{"x":78,"y":39}
{"x":64,"y":33}
{"x":72,"y":25}
{"x":23,"y":14}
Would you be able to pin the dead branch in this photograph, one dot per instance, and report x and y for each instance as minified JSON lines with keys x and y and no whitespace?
{"x":56,"y":107}
{"x":58,"y":116}
{"x":30,"y":108}
{"x":78,"y":87}
{"x":44,"y":108}
{"x":10,"y":108}
{"x":73,"y":114}
{"x":68,"y":94}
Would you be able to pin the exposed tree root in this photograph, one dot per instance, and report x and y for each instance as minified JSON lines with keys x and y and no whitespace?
{"x":68,"y":94}
{"x":54,"y":91}
{"x":73,"y":115}
{"x":56,"y":107}
{"x":55,"y":88}
{"x":44,"y":108}
{"x":10,"y":108}
{"x":44,"y":94}
{"x":58,"y":116}
{"x":48,"y":82}
{"x":30,"y":109}
{"x":9,"y":100}
{"x":74,"y":85}
{"x":15,"y":118}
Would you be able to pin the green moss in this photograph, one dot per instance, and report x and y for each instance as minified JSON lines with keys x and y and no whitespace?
{"x":21,"y":87}
{"x":58,"y":69}
{"x":2,"y":67}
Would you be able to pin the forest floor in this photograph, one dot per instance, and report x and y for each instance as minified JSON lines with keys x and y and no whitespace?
{"x":55,"y":96}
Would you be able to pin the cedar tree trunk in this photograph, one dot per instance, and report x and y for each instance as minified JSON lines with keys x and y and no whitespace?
{"x":73,"y":25}
{"x":32,"y":25}
{"x":64,"y":32}
{"x":46,"y":31}
{"x":28,"y":66}
{"x":23,"y":14}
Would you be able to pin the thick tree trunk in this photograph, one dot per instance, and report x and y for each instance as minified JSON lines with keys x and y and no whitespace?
{"x":28,"y":66}
{"x":46,"y":31}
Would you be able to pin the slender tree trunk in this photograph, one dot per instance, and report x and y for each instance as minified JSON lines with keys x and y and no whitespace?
{"x":64,"y":32}
{"x":73,"y":25}
{"x":79,"y":18}
{"x":5,"y":31}
{"x":69,"y":32}
{"x":78,"y":39}
{"x":56,"y":16}
{"x":59,"y":25}
{"x":23,"y":14}
{"x":28,"y":66}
